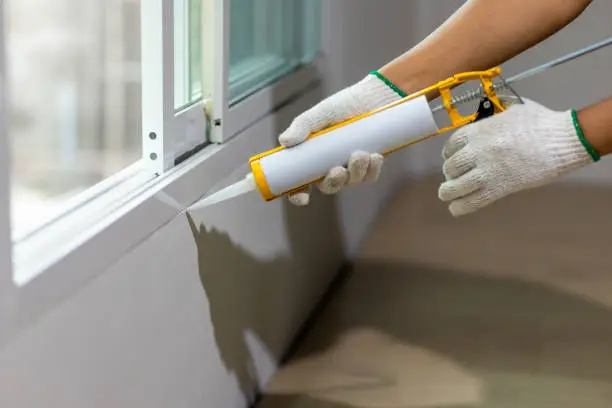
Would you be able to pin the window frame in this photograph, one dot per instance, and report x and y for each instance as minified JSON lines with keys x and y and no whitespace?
{"x":166,"y":133}
{"x":216,"y":21}
{"x":227,"y":119}
{"x":134,"y":205}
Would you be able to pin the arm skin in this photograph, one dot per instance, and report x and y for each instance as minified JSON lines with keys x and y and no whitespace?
{"x":596,"y":124}
{"x":478,"y":36}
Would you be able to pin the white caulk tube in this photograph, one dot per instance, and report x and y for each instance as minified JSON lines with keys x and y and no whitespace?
{"x":284,"y":170}
{"x":385,"y":131}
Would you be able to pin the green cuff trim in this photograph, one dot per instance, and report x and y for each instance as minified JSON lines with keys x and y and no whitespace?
{"x":389,"y":83}
{"x":583,"y":139}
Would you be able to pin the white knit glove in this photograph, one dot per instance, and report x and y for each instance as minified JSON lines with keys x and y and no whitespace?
{"x":524,"y":147}
{"x":369,"y":94}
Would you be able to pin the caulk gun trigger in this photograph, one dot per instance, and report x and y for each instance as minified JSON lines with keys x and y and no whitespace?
{"x":485,"y":109}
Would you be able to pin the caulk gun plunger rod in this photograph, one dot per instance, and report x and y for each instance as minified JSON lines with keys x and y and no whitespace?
{"x":566,"y":58}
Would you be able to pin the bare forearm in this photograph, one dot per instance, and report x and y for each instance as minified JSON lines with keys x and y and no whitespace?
{"x":480,"y":35}
{"x":596,"y":124}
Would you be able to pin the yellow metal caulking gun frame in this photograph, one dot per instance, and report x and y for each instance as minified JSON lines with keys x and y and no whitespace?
{"x":489,"y":105}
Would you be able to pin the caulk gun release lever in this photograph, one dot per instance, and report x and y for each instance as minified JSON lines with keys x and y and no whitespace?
{"x":282,"y":171}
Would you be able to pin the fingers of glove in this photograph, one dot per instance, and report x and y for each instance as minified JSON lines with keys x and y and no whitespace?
{"x":335,"y":180}
{"x":455,"y":142}
{"x":299,"y":129}
{"x":470,"y":203}
{"x":514,"y":105}
{"x":300,"y":198}
{"x":463,"y":186}
{"x":322,"y":115}
{"x":458,"y":164}
{"x":508,"y":101}
{"x":358,"y":165}
{"x":375,"y":167}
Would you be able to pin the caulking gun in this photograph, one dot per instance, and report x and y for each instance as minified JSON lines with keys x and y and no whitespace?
{"x":282,"y":171}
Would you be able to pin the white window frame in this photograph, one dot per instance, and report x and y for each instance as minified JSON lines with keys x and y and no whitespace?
{"x":227,"y":121}
{"x":126,"y":209}
{"x":166,"y":134}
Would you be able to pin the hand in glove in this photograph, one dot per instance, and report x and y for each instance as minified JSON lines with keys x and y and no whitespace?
{"x":526,"y":146}
{"x":372,"y":92}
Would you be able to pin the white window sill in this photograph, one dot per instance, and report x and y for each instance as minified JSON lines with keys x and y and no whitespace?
{"x":57,"y":260}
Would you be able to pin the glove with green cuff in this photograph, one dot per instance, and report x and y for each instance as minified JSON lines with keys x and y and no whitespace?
{"x":372,"y":92}
{"x":524,"y":147}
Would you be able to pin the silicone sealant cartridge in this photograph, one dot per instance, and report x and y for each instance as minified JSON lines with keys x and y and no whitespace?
{"x":282,"y":171}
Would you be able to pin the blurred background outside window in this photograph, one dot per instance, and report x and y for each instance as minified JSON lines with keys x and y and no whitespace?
{"x":74,"y":99}
{"x":187,"y":52}
{"x":268,"y":39}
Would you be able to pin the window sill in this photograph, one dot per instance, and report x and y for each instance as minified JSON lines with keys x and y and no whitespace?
{"x":67,"y":231}
{"x":98,"y":235}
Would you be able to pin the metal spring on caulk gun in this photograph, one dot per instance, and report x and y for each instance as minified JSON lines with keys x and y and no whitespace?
{"x":473,"y":94}
{"x":505,"y":84}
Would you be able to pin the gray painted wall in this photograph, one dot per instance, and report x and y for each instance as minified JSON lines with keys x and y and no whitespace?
{"x":198,"y":314}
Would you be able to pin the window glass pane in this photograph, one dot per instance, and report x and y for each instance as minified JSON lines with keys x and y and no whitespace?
{"x":187,"y":52}
{"x":311,"y":20}
{"x":268,"y":39}
{"x":73,"y":72}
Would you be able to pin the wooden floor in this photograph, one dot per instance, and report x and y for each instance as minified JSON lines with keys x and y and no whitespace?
{"x":508,"y":308}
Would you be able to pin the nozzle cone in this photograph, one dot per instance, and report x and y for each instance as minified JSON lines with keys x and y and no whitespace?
{"x":239,"y":188}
